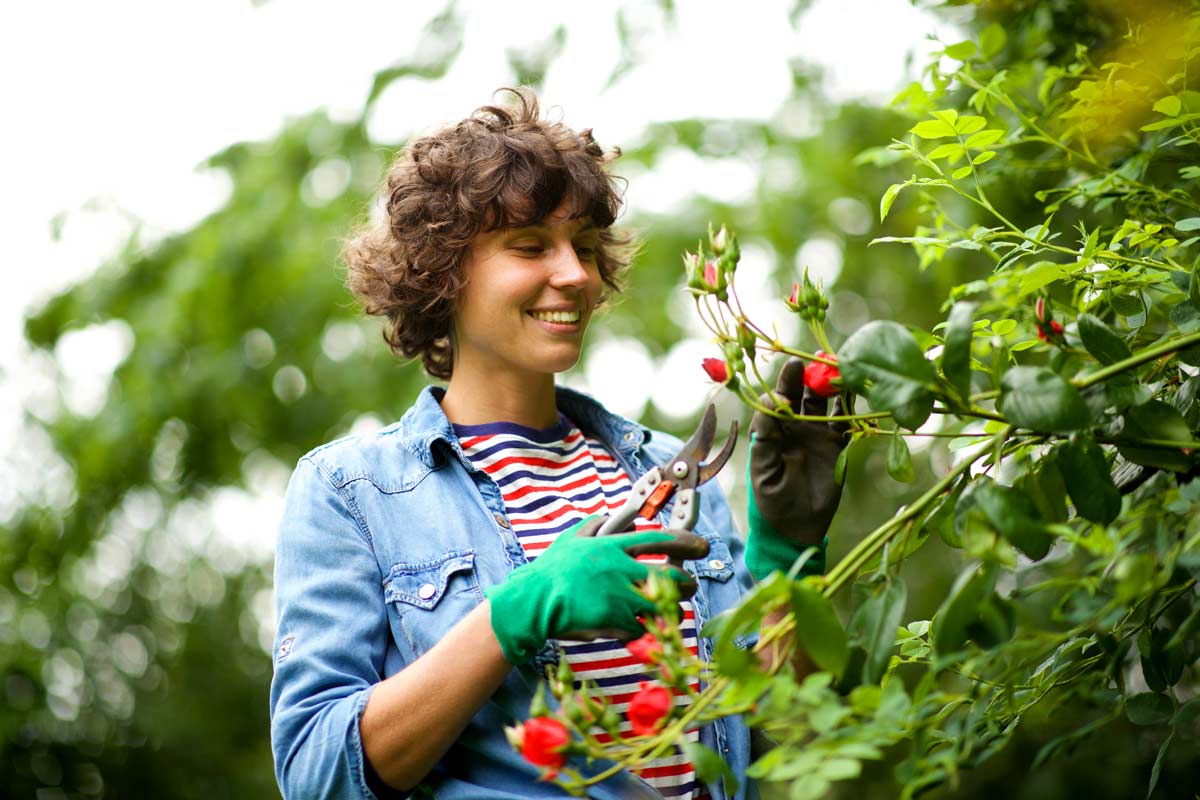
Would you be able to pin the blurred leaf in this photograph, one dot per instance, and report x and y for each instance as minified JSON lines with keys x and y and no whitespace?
{"x":1041,"y":400}
{"x":1149,"y":708}
{"x":1086,"y":473}
{"x":1101,"y":341}
{"x":899,"y":461}
{"x":874,"y":626}
{"x":956,"y":357}
{"x":818,"y":630}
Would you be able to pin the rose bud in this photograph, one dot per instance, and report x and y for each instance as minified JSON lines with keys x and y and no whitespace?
{"x":711,"y":275}
{"x":716,"y":369}
{"x":1056,"y":330}
{"x":720,"y":241}
{"x":820,"y":377}
{"x":649,"y":708}
{"x":794,"y":302}
{"x":542,"y":741}
{"x":646,"y":649}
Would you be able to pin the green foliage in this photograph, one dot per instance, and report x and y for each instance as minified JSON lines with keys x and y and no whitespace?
{"x":1068,"y":389}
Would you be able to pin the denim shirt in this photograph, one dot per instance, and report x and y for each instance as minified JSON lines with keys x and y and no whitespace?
{"x":387,"y":541}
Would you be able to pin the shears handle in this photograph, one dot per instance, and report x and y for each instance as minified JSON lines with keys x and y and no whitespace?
{"x":646,"y":497}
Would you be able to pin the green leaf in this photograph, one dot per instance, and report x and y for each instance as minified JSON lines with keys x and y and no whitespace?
{"x":966,"y":125}
{"x":1101,"y":341}
{"x":1156,"y":770}
{"x":985,"y":137}
{"x":1003,"y":327}
{"x":1042,"y":400}
{"x":727,"y":628}
{"x":1044,"y":485}
{"x":1169,"y":105}
{"x":839,"y":466}
{"x":883,"y":362}
{"x":956,"y":355}
{"x":960,"y":609}
{"x":710,"y":767}
{"x":1189,"y":224}
{"x":899,"y":461}
{"x":984,"y":157}
{"x":933,"y":129}
{"x":961,"y":51}
{"x":1039,"y":275}
{"x":889,"y":197}
{"x":1014,"y":516}
{"x":1159,"y":421}
{"x":1089,"y":481}
{"x":874,"y":627}
{"x":949,"y":150}
{"x":1149,"y":708}
{"x":818,"y":630}
{"x":961,"y":173}
{"x":992,"y":39}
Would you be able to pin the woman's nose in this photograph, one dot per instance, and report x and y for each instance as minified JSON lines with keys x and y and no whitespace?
{"x":567,"y":269}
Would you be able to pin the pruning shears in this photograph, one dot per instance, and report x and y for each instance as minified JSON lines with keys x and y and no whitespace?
{"x":679,"y":479}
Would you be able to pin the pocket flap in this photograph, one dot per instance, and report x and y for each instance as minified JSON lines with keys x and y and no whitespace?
{"x":718,"y":564}
{"x":422,"y":584}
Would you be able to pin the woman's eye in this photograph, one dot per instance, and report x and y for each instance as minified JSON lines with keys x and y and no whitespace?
{"x":585,"y":251}
{"x":528,"y":249}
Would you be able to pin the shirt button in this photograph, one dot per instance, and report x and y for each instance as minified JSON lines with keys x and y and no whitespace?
{"x":629,"y":436}
{"x":426,"y":591}
{"x":717,"y":563}
{"x":502,"y":522}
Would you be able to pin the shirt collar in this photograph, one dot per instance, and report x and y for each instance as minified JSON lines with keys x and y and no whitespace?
{"x":425,"y":424}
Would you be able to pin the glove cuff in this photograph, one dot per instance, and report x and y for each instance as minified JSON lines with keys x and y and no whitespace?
{"x":767,"y":550}
{"x":515,"y":621}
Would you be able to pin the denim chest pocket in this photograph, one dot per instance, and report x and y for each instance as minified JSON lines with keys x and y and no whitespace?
{"x":718,"y":564}
{"x":427,"y":598}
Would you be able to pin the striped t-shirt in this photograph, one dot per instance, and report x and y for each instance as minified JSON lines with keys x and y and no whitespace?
{"x":550,"y":480}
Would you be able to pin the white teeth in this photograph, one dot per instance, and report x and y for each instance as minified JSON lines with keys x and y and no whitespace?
{"x":562,"y":317}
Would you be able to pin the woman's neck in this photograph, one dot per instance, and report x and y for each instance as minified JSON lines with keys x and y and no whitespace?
{"x":473,"y":398}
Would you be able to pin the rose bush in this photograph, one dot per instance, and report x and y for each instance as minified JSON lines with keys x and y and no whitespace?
{"x":1061,"y":391}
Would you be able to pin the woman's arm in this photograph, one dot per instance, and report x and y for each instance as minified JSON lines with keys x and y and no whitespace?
{"x":413,"y":717}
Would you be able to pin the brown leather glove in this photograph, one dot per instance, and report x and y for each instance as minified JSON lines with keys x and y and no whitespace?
{"x":793,"y":494}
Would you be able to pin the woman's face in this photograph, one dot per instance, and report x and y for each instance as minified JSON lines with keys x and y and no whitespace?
{"x":528,"y":297}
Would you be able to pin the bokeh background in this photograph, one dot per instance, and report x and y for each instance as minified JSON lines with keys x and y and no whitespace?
{"x":174,"y":334}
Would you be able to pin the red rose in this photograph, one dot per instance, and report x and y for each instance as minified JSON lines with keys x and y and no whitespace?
{"x":1056,"y":329}
{"x":649,"y":708}
{"x":716,"y":369}
{"x":819,"y":377}
{"x":710,"y":273}
{"x":542,"y":741}
{"x":646,"y":649}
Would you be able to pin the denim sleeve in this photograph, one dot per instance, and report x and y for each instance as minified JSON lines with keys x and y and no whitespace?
{"x":330,"y":641}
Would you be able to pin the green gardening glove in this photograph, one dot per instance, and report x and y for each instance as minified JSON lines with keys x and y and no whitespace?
{"x":793,"y":494}
{"x":582,"y":587}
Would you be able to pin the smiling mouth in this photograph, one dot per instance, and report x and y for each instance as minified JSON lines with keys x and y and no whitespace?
{"x":558,"y":317}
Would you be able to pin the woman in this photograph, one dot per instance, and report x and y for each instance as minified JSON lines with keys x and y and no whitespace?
{"x":425,"y":574}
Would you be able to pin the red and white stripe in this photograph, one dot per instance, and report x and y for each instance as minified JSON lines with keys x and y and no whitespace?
{"x":551,"y":480}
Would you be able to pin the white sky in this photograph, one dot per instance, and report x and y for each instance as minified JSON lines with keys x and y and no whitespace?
{"x":109,"y":107}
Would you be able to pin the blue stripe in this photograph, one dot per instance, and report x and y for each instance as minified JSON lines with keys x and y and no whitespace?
{"x":537,"y":477}
{"x":591,"y":647}
{"x":674,"y":791}
{"x":508,"y":444}
{"x":559,"y":430}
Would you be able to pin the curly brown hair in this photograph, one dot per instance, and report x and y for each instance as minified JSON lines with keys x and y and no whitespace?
{"x":498,"y":168}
